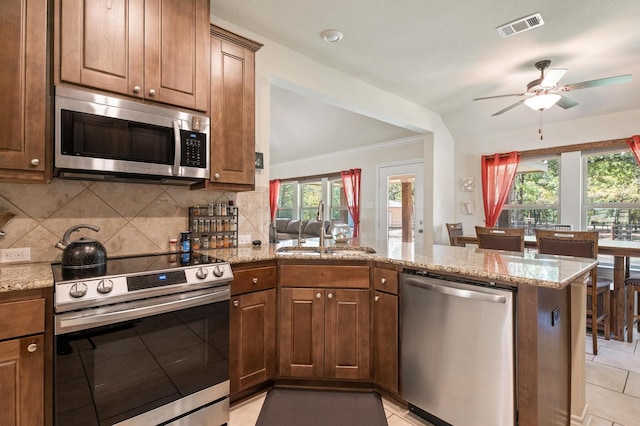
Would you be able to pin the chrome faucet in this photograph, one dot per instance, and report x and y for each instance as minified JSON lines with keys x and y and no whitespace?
{"x":321,"y":220}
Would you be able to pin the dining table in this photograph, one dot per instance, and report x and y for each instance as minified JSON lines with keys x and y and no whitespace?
{"x":621,"y":250}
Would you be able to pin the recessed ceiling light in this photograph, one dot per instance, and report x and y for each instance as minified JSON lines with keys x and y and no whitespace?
{"x":332,"y":36}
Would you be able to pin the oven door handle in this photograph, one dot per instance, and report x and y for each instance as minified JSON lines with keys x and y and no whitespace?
{"x":177,"y":148}
{"x":82,"y":320}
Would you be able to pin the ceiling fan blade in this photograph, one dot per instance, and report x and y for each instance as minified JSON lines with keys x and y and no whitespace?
{"x":566,"y":103}
{"x":553,"y":77}
{"x":499,"y":96}
{"x":596,"y":83}
{"x":508,"y":108}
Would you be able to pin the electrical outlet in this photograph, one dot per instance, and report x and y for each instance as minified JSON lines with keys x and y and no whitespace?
{"x":15,"y":255}
{"x":555,"y":316}
{"x":244,"y":239}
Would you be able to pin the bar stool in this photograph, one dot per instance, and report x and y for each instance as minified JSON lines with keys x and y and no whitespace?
{"x":633,"y":311}
{"x":511,"y":239}
{"x":582,"y":244}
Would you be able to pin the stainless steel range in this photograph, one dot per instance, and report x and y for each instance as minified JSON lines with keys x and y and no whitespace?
{"x":144,"y":343}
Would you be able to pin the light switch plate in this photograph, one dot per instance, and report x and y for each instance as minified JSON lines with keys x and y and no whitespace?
{"x":244,"y":239}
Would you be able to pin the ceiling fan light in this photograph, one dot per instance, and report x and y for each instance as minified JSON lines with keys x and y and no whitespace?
{"x":542,"y":102}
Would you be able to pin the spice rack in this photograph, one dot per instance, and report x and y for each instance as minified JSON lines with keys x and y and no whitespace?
{"x":213,"y":227}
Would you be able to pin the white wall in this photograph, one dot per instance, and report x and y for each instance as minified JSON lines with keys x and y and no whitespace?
{"x":276,"y":64}
{"x":598,"y":128}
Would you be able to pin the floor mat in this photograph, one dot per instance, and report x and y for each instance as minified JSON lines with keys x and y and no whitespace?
{"x":293,"y":407}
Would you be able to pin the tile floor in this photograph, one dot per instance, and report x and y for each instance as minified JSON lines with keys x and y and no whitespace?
{"x":613,"y":390}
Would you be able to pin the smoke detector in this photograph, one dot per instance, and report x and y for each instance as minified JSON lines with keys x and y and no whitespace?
{"x":520,"y":25}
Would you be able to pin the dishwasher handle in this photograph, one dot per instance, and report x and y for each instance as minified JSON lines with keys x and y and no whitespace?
{"x":426,"y":284}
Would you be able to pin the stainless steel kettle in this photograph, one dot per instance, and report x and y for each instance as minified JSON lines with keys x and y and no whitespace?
{"x":84,"y":253}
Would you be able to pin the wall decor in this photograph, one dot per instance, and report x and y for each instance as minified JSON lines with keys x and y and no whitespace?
{"x":467,"y":184}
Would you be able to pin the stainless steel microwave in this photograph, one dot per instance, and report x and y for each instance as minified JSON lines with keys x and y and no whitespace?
{"x":99,"y":137}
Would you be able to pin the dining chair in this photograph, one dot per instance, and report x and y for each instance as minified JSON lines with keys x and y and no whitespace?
{"x":511,"y":239}
{"x":455,"y":230}
{"x":582,"y":244}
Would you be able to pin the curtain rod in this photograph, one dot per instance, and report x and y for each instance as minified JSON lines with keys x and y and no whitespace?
{"x":312,"y":177}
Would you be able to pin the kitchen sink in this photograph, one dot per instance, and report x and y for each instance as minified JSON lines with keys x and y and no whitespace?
{"x":332,"y":250}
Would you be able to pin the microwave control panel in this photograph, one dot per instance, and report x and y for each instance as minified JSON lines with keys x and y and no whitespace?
{"x":194,"y":149}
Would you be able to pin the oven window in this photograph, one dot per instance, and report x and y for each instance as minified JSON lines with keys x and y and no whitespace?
{"x":95,"y":136}
{"x":112,"y":373}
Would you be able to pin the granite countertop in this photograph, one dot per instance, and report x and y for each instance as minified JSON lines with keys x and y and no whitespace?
{"x":518,"y":268}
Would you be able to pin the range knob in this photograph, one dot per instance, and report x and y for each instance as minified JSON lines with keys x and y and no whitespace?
{"x":218,"y":271}
{"x":105,"y":286}
{"x":202,"y":273}
{"x":78,"y":290}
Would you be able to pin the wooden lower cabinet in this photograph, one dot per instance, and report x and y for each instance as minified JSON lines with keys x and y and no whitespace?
{"x":385,"y":341}
{"x":252,"y":327}
{"x":324,"y":333}
{"x":252,"y":339}
{"x":22,"y":381}
{"x":23,"y":353}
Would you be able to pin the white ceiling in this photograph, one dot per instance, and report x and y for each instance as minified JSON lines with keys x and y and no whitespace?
{"x":441,"y":55}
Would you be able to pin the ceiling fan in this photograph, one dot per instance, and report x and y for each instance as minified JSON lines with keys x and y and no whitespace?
{"x":543,"y":92}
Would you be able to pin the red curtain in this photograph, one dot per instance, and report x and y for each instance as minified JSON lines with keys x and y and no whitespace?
{"x":351,"y":184}
{"x":274,"y":194}
{"x":634,"y":144}
{"x":498,"y":173}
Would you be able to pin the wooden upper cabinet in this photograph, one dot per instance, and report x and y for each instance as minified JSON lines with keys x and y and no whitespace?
{"x":232,"y":110}
{"x":149,"y":49}
{"x":23,"y":91}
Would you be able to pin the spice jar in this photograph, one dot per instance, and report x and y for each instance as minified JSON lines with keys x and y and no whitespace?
{"x":195,"y":244}
{"x":205,"y":241}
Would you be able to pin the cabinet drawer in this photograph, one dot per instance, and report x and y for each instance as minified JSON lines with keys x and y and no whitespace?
{"x":248,"y":280}
{"x":385,"y":280}
{"x":22,"y":318}
{"x":324,"y":276}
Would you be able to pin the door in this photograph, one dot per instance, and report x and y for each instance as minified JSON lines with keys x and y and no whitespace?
{"x":102,"y":45}
{"x":347,"y":354}
{"x":252,"y":339}
{"x":400,"y":206}
{"x":385,"y":340}
{"x":23,"y":94}
{"x":22,"y":381}
{"x":302,"y":332}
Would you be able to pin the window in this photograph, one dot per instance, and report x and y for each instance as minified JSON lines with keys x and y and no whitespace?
{"x":301,"y":198}
{"x":286,"y":202}
{"x":339,"y":209}
{"x":612,"y":194}
{"x":311,"y":193}
{"x":534,"y":196}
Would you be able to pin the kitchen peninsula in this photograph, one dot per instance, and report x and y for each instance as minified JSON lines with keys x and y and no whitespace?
{"x":550,"y":358}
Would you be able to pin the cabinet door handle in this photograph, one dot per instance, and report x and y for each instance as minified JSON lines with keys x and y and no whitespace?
{"x":383,"y":280}
{"x":35,"y":162}
{"x":32,"y":347}
{"x":330,"y":296}
{"x":217,"y":175}
{"x":136,"y":89}
{"x":236,"y":303}
{"x":152,"y":92}
{"x":376,"y":298}
{"x":255,"y":280}
{"x":318,"y":296}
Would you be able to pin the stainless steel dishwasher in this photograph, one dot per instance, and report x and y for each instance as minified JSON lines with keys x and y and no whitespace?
{"x":458,"y":351}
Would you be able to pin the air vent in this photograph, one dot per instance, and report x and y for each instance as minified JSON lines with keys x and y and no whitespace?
{"x":520,"y":25}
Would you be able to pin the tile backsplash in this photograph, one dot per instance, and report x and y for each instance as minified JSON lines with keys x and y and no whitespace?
{"x":133,"y":218}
